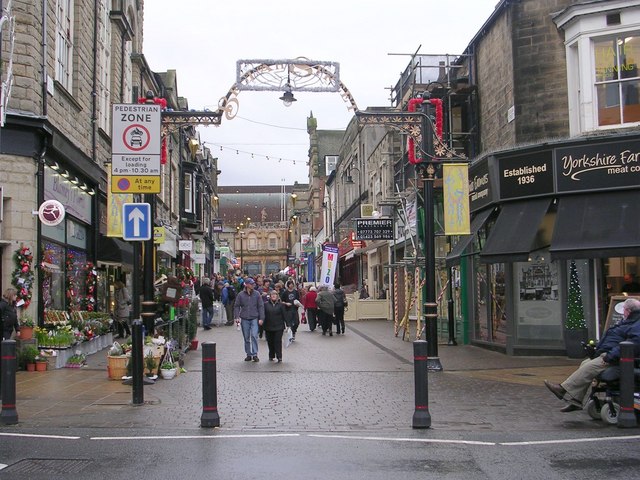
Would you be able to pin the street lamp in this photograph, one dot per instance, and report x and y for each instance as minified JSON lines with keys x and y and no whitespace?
{"x":240,"y":232}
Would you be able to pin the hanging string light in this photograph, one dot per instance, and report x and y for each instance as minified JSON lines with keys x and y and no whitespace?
{"x":252,"y":154}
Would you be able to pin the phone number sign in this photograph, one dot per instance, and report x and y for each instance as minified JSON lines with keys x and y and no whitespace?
{"x":374,"y":229}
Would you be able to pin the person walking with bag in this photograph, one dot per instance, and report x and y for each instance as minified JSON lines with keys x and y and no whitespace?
{"x":122,"y":308}
{"x":8,"y":314}
{"x":274,"y":325}
{"x":340,"y":305}
{"x":249,"y":311}
{"x":228,"y":293}
{"x":289,"y":297}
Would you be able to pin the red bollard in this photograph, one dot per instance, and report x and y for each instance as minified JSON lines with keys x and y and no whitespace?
{"x":421,"y":416}
{"x":210,"y":416}
{"x":9,"y":414}
{"x":627,"y":417}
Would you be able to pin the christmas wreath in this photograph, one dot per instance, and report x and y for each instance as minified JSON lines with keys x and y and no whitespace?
{"x":22,"y":277}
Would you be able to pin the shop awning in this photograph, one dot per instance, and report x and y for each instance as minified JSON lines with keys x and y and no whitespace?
{"x":597,"y":226}
{"x":453,"y":258}
{"x":114,"y":250}
{"x":512,"y":237}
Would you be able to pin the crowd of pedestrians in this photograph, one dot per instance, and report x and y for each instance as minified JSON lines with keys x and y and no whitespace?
{"x":268,"y":306}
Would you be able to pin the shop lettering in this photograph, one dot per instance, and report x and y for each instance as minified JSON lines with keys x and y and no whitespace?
{"x":518,"y":172}
{"x":624,"y":162}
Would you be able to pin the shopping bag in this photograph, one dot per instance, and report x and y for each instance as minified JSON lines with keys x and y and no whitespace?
{"x":303,"y":317}
{"x":288,"y":337}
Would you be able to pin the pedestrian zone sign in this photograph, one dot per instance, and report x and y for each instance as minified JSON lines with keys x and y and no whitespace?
{"x":136,"y":221}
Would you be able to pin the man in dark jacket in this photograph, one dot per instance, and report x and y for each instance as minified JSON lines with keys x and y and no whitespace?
{"x":340,"y":304}
{"x":206,"y":297}
{"x":607,"y":353}
{"x":326,"y":302}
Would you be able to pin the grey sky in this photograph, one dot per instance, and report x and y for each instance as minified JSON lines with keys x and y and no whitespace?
{"x":203,"y":39}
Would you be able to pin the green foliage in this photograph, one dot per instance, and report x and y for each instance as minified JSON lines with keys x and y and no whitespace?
{"x":150,"y":363}
{"x":575,"y":309}
{"x":192,"y":321}
{"x":27,"y":354}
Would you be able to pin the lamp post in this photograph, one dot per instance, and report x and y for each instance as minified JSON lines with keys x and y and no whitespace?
{"x":240,"y":233}
{"x":427,"y":170}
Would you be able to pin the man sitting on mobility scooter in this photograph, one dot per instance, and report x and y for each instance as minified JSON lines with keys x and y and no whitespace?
{"x":575,"y":387}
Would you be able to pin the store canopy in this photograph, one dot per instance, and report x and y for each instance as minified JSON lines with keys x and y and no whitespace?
{"x":597,"y":226}
{"x":513,"y":236}
{"x":453,"y":258}
{"x":114,"y":250}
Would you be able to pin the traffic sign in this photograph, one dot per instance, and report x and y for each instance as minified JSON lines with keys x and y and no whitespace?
{"x":136,"y":221}
{"x":135,"y":148}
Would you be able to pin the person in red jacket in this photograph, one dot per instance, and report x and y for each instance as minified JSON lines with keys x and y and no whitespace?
{"x":311,"y":308}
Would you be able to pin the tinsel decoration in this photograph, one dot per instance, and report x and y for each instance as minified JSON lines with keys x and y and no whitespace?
{"x":575,"y":309}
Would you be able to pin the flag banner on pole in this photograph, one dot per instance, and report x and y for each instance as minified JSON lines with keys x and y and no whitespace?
{"x":455,"y":181}
{"x":329,"y":263}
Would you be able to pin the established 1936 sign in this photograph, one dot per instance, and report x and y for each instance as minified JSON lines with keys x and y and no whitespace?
{"x":374,"y":229}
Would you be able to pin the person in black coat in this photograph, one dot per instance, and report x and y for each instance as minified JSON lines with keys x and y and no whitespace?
{"x":289,"y":297}
{"x":206,"y":298}
{"x":274,"y":324}
{"x":8,"y":314}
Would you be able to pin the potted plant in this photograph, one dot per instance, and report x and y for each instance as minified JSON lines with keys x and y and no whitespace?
{"x":167,"y":370}
{"x":27,"y":356}
{"x":150,"y":364}
{"x":26,"y":327}
{"x":575,"y":327}
{"x":41,"y":363}
{"x":117,"y":362}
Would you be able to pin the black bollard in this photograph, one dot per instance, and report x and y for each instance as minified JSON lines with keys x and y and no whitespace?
{"x":9,"y":414}
{"x":627,"y":417}
{"x":450,"y":312}
{"x":421,"y":416}
{"x":210,"y":416}
{"x":137,"y":363}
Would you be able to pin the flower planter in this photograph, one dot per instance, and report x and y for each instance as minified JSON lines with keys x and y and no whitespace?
{"x":31,"y":367}
{"x":41,"y":366}
{"x":117,"y":366}
{"x":194,"y":344}
{"x":573,"y":342}
{"x":168,"y":374}
{"x":26,"y":333}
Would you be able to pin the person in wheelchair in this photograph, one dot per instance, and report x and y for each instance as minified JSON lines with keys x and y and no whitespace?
{"x":607,"y":353}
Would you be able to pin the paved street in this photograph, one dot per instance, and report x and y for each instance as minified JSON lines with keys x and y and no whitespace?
{"x":362,"y":381}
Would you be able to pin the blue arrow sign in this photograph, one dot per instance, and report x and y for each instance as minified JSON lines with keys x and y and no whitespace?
{"x":136,"y":221}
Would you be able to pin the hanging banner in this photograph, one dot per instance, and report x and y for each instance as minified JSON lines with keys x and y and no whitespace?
{"x":115,"y":201}
{"x":329,"y":263}
{"x":455,"y":186}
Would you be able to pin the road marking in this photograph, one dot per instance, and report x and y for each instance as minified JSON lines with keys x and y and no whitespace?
{"x":190,"y":437}
{"x":3,"y":466}
{"x":419,"y":440}
{"x":574,"y":440}
{"x":32,"y":435}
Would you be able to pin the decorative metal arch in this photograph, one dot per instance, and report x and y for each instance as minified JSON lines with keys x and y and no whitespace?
{"x":298,"y":75}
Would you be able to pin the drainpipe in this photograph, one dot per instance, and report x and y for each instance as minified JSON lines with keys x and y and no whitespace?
{"x":94,"y":95}
{"x":39,"y":199}
{"x":44,"y":59}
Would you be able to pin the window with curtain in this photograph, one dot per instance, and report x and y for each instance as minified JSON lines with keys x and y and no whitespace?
{"x":188,"y":193}
{"x":104,"y":66}
{"x":64,"y":43}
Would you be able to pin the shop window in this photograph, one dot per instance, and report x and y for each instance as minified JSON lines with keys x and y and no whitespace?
{"x":490,"y":317}
{"x":538,"y":309}
{"x":53,"y":276}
